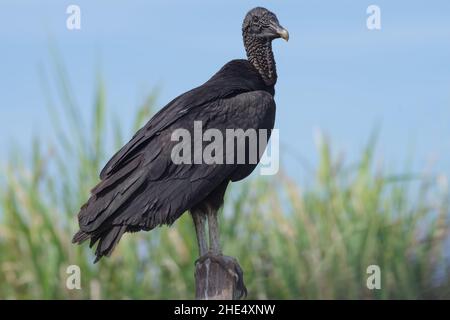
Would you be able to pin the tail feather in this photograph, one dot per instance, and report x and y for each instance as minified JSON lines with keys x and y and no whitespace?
{"x":80,"y":237}
{"x":109,"y":200}
{"x":130,"y":201}
{"x":108,"y":241}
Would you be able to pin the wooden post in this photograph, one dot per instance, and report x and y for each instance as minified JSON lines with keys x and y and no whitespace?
{"x":218,"y":278}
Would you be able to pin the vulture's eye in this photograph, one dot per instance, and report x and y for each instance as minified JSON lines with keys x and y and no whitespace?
{"x":255,"y":19}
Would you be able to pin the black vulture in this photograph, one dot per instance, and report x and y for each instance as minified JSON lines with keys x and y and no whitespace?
{"x":142,"y":188}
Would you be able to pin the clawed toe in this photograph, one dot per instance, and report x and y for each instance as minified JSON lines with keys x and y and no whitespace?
{"x":230,"y":265}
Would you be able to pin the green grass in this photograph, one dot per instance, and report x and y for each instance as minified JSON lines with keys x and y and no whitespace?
{"x":292,"y":241}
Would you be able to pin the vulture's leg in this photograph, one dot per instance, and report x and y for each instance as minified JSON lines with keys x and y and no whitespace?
{"x":213,"y":228}
{"x":214,"y":272}
{"x":229,"y":264}
{"x":200,"y":224}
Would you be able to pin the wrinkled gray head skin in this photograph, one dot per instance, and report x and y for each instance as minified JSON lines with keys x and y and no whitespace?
{"x":262,"y":23}
{"x":260,"y":27}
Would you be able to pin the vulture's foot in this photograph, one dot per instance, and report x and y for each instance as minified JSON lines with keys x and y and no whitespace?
{"x":231,"y":266}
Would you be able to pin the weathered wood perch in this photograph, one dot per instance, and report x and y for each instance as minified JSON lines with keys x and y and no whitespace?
{"x":218,"y":277}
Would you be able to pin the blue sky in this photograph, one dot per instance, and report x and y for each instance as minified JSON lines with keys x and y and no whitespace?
{"x":334,"y":74}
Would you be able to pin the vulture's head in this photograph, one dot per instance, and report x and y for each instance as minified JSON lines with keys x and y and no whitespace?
{"x":262,"y":23}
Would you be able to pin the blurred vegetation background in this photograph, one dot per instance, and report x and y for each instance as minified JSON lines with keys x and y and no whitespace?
{"x":292,"y":241}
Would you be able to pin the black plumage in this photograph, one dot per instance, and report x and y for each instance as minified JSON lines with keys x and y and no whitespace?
{"x":141,"y":188}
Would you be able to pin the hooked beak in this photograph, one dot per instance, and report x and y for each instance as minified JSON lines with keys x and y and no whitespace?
{"x":283,"y":33}
{"x":280,"y":31}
